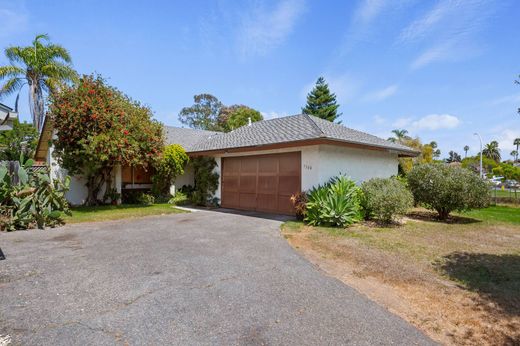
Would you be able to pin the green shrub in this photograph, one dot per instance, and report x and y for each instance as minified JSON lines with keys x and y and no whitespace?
{"x":206,"y":181}
{"x":145,"y":199}
{"x":180,"y":198}
{"x":446,"y":188}
{"x":337,"y":203}
{"x":168,"y":166}
{"x":35,"y":200}
{"x":385,"y":199}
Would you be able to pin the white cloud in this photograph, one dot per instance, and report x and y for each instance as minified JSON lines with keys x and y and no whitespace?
{"x":382,"y":94}
{"x":509,"y":99}
{"x":429,"y":122}
{"x":450,"y":27}
{"x":262,"y":30}
{"x":436,"y":122}
{"x":369,"y":10}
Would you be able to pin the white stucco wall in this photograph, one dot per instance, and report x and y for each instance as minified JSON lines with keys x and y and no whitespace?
{"x":319,"y":163}
{"x":185,"y":179}
{"x":359,"y":164}
{"x":78,"y":191}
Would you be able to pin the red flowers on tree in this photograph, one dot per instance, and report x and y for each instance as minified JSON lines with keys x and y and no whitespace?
{"x":95,"y":133}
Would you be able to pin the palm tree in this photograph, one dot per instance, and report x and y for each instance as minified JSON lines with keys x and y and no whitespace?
{"x":399,"y":135}
{"x":514,"y":154}
{"x":466,"y":148}
{"x":517,"y":143}
{"x":43,"y":67}
{"x":492,"y":151}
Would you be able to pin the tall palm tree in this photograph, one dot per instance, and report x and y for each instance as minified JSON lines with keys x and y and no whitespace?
{"x":517,"y":143}
{"x":399,"y":135}
{"x":44,"y":67}
{"x":466,"y":148}
{"x":514,"y":154}
{"x":492,"y":151}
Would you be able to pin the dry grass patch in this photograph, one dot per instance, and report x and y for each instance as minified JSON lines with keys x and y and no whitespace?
{"x":458,"y":281}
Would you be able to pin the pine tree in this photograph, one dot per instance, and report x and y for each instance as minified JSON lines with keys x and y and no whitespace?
{"x":321,"y":102}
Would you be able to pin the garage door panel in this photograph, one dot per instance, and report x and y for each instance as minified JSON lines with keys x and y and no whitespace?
{"x":248,"y":165}
{"x":267,"y":164}
{"x":289,"y":164}
{"x":230,"y":199}
{"x":267,"y":184}
{"x":248,"y":201}
{"x":284,"y":205}
{"x":288,"y":185}
{"x":230,"y":183}
{"x":247,"y":183}
{"x":267,"y":203}
{"x":261,"y":182}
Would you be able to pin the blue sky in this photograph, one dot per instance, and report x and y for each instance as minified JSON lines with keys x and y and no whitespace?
{"x":441,"y":69}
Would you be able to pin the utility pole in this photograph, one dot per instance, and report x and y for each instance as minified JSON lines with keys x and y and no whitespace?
{"x":480,"y":138}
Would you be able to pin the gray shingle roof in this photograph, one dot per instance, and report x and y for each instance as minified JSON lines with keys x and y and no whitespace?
{"x":188,"y":138}
{"x":290,"y":129}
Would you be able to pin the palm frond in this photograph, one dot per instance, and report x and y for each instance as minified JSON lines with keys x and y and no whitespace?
{"x":58,"y":52}
{"x":14,"y":54}
{"x":11,"y":71}
{"x":11,"y":86}
{"x":60,"y":71}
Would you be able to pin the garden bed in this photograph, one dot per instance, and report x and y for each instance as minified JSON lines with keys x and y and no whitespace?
{"x":457,"y":280}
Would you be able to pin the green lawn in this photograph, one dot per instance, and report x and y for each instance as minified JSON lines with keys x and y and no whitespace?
{"x":496,"y":214}
{"x":117,"y":212}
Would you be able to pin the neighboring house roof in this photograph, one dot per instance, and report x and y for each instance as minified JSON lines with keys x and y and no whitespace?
{"x":5,"y":108}
{"x":7,"y":116}
{"x":295,"y":128}
{"x":187,"y":138}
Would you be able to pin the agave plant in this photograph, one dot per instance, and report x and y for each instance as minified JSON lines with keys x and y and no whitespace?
{"x":33,"y":200}
{"x":337,"y":203}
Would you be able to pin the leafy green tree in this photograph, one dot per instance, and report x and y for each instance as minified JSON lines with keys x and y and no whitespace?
{"x":514,"y":154}
{"x":453,"y":157}
{"x":235,"y":116}
{"x":97,"y":127}
{"x":168,"y":165}
{"x":446,"y":188}
{"x":203,"y":114}
{"x":508,"y":171}
{"x":19,"y":142}
{"x":473,"y":163}
{"x":321,"y":102}
{"x":492,"y":151}
{"x":206,"y":181}
{"x":466,"y":149}
{"x":43,"y":67}
{"x":436,"y":152}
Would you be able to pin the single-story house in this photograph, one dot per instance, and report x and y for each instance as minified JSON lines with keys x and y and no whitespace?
{"x":262,"y":164}
{"x":7,"y":116}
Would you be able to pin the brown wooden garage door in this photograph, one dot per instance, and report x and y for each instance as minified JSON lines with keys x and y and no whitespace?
{"x":261,"y":182}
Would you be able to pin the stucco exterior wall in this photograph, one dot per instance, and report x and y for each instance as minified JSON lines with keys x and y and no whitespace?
{"x":359,"y":164}
{"x":78,"y":192}
{"x":185,"y":179}
{"x":319,"y":163}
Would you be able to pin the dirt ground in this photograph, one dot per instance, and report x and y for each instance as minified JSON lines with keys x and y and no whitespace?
{"x":458,"y":281}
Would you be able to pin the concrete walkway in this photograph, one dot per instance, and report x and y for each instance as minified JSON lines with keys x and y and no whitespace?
{"x":200,"y":278}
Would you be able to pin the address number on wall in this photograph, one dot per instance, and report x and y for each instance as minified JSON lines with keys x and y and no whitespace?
{"x":306,"y":166}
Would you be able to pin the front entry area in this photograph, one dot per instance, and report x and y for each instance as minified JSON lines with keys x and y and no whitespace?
{"x":262,"y":183}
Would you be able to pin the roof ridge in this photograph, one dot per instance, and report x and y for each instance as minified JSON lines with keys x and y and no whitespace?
{"x":310,"y":117}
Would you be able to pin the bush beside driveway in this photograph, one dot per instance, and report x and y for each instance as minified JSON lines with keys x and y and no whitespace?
{"x":194,"y":278}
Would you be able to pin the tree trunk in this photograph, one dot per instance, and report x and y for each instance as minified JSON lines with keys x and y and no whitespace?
{"x":36,"y":104}
{"x":443,"y":214}
{"x":94,"y":184}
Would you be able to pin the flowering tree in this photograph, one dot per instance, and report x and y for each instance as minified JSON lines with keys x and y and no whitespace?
{"x":98,"y":127}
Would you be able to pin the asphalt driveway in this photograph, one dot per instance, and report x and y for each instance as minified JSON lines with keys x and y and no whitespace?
{"x":198,"y":278}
